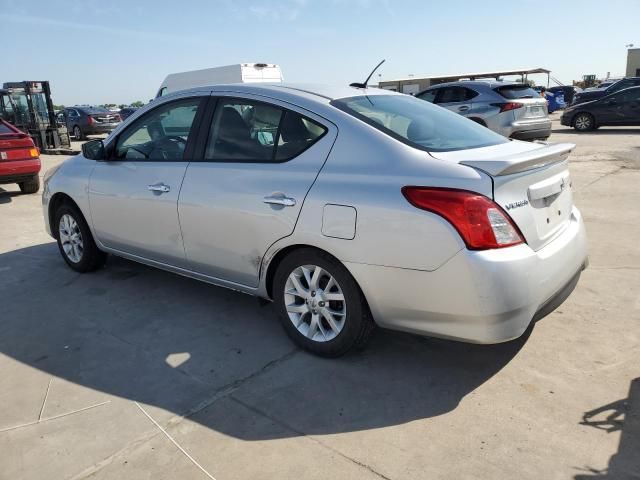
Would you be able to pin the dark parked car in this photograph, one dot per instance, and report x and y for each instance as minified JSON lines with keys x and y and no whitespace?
{"x":83,"y":120}
{"x":620,"y":109}
{"x":588,"y":95}
{"x":126,"y":112}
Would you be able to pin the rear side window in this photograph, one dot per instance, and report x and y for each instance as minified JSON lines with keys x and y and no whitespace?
{"x":248,"y":131}
{"x":517,"y":91}
{"x":4,"y":129}
{"x":455,"y":94}
{"x":418,"y":124}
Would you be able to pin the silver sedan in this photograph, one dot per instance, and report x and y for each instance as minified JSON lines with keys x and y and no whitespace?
{"x":347,"y":207}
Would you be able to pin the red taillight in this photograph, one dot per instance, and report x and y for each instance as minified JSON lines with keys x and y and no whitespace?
{"x":481,"y":223}
{"x":90,"y":120}
{"x":118,"y":117}
{"x":505,"y":107}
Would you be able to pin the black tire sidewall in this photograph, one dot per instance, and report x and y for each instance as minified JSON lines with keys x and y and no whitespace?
{"x":351,"y":333}
{"x":91,"y":256}
{"x":77,"y":137}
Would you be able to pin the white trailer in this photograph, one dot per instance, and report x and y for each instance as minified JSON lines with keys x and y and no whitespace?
{"x":238,"y":73}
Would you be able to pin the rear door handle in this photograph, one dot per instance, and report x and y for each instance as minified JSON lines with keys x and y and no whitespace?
{"x":464,"y":108}
{"x":159,"y":188}
{"x":280,"y":200}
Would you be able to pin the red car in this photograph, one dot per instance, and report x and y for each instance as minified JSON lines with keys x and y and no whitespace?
{"x":19,"y":159}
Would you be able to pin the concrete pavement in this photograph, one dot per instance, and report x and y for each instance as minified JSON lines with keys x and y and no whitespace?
{"x":137,"y":373}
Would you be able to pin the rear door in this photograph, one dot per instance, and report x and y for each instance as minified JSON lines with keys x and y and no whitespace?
{"x":534,"y":107}
{"x":455,"y":99}
{"x":246,"y":191}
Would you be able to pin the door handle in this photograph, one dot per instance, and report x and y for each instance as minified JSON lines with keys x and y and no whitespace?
{"x":280,"y":200}
{"x":464,"y":108}
{"x":159,"y":188}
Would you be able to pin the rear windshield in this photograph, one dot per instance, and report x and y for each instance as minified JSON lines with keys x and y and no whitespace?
{"x":517,"y":91}
{"x":91,"y":110}
{"x":418,"y":123}
{"x":4,"y":129}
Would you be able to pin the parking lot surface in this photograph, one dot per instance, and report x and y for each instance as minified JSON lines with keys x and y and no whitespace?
{"x":136,"y":373}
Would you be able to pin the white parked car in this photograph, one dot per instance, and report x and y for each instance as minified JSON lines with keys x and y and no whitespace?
{"x":347,"y":207}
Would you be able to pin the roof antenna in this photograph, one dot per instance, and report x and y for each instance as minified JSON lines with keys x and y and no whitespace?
{"x":364,"y":85}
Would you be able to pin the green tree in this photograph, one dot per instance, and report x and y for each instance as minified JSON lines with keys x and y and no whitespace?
{"x":137,"y":103}
{"x":58,"y":107}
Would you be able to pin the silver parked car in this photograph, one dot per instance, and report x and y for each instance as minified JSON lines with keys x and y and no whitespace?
{"x":514,"y":110}
{"x":347,"y":207}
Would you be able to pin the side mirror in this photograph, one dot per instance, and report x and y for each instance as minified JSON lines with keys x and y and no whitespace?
{"x":94,"y":150}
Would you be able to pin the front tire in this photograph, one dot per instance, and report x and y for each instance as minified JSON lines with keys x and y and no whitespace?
{"x":30,"y":186}
{"x":583,"y":122}
{"x":320,"y":305}
{"x":75,"y":241}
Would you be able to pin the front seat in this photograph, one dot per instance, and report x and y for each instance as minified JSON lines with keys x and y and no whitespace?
{"x":234,"y":137}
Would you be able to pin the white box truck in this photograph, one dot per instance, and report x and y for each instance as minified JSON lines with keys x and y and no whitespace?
{"x":238,"y":73}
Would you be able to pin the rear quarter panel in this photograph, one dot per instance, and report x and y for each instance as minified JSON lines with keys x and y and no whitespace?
{"x":366,"y":170}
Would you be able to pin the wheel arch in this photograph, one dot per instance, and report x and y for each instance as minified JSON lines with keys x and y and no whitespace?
{"x":580,"y":112}
{"x":281,"y":254}
{"x":478,"y":120}
{"x":58,"y":199}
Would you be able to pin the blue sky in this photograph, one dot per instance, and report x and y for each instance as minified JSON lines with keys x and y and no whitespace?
{"x":119,"y":51}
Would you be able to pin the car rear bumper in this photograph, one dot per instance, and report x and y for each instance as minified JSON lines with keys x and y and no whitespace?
{"x":100,"y":129}
{"x":486,"y":296}
{"x":19,"y":170}
{"x":530,"y":130}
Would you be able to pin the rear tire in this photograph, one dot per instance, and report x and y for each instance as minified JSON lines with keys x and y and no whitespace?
{"x":75,"y":241}
{"x":77,"y":133}
{"x":327,"y":316}
{"x":30,"y":186}
{"x":583,"y":122}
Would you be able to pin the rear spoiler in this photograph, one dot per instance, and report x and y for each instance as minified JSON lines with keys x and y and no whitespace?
{"x":547,"y":154}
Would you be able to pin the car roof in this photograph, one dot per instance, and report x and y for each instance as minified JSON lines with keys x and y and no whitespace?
{"x":318,"y":92}
{"x":480,"y":83}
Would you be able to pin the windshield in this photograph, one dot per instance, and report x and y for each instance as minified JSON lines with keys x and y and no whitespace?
{"x":419,"y":123}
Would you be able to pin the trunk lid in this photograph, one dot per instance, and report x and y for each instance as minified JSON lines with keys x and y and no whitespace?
{"x":534,"y":108}
{"x":531,"y":183}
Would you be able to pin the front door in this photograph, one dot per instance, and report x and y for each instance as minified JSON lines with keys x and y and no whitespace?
{"x":259,"y":163}
{"x":134,"y":194}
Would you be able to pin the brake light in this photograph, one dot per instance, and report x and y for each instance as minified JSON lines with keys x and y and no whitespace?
{"x":90,"y":120}
{"x":33,"y":153}
{"x":481,"y":222}
{"x":505,"y":107}
{"x":118,"y":118}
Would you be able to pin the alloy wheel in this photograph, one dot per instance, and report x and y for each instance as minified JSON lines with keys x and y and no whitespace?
{"x":77,"y":133}
{"x":315,"y":303}
{"x":71,"y":238}
{"x":583,"y":122}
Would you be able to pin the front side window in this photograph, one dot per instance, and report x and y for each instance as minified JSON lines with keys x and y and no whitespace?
{"x":248,"y":131}
{"x":429,"y":95}
{"x":417,"y":123}
{"x":161,"y":134}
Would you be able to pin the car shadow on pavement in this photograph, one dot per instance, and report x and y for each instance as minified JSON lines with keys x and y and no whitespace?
{"x":619,"y":416}
{"x":198,"y":350}
{"x":6,"y":196}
